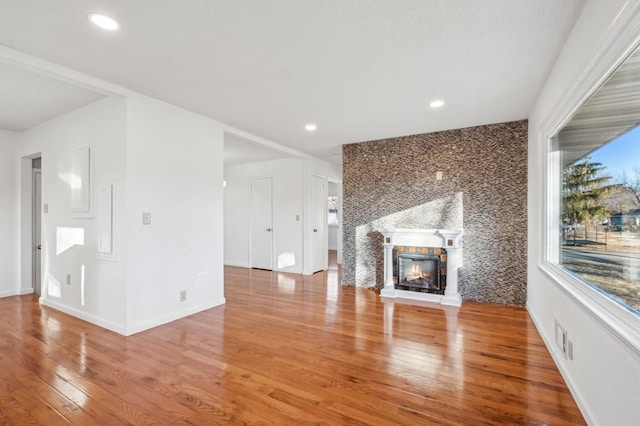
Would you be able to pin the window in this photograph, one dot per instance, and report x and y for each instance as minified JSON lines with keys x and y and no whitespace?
{"x":333,"y":210}
{"x":597,"y":154}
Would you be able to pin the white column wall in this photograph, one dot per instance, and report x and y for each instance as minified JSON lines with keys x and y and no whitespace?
{"x":332,"y":237}
{"x":603,"y":375}
{"x":101,"y":126}
{"x":237,"y":215}
{"x":175,"y":168}
{"x":166,"y":161}
{"x":9,"y":214}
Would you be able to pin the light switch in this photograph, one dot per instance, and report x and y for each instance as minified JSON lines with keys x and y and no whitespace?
{"x":146,"y":218}
{"x":45,"y":208}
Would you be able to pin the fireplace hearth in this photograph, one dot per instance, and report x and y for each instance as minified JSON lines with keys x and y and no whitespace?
{"x":422,"y":264}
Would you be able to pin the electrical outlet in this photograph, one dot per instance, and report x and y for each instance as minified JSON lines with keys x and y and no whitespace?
{"x":69,"y":279}
{"x":183,"y":295}
{"x":570,"y":350}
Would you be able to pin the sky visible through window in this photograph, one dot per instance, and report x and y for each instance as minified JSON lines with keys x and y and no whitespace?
{"x":622,"y":154}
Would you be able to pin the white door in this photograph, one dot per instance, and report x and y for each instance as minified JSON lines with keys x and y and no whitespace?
{"x":319,"y":224}
{"x":262,"y":223}
{"x":37,"y":218}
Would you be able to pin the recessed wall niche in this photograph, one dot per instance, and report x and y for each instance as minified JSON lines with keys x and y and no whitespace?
{"x":105,"y":218}
{"x":81,"y":183}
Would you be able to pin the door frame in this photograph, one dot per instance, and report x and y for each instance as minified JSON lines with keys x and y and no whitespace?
{"x":251,"y":216}
{"x":338,"y":182}
{"x":325,"y":225}
{"x":36,"y":209}
{"x":26,"y":227}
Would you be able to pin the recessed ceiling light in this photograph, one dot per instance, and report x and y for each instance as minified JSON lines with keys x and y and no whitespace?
{"x":103,"y":21}
{"x":310,"y":127}
{"x":436,"y":104}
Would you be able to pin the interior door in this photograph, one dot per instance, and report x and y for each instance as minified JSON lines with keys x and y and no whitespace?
{"x":319,"y":224}
{"x":262,"y":223}
{"x":37,"y":237}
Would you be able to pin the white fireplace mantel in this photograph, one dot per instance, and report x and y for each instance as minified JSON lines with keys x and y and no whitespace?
{"x":448,"y":239}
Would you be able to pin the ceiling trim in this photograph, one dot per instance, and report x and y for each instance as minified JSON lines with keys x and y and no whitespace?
{"x":18,"y":59}
{"x":265,"y":142}
{"x":54,"y":71}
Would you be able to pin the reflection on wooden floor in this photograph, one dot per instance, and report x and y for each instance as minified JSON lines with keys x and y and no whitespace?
{"x":285,"y":349}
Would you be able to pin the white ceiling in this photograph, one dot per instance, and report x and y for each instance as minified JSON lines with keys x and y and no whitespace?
{"x":360,"y":69}
{"x":28,"y":99}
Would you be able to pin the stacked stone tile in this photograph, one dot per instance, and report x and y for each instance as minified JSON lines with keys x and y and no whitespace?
{"x":392,"y":183}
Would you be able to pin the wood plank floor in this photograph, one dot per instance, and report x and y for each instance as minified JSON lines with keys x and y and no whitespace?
{"x":285,"y":350}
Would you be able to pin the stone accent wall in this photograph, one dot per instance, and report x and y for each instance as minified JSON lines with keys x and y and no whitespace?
{"x":392,"y":183}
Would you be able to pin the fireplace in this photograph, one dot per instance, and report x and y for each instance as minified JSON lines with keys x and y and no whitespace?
{"x":421,"y":269}
{"x":422,"y":264}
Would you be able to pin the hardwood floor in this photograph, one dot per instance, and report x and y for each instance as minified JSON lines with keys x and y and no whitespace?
{"x":285,"y":349}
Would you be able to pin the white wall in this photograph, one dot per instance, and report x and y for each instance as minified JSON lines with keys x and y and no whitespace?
{"x":9,"y":214}
{"x":604,"y":375}
{"x":324,"y":168}
{"x":291,"y":206}
{"x":101,"y":126}
{"x":332,"y":238}
{"x":237,"y":215}
{"x":164,"y":160}
{"x":287,"y":210}
{"x":175,"y":167}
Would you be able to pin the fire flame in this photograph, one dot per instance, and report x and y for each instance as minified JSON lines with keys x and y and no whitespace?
{"x":416,"y":273}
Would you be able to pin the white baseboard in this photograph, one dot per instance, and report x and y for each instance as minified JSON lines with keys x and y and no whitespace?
{"x":238,"y":264}
{"x":289,"y":271}
{"x":17,"y":292}
{"x":109,"y":325}
{"x":127,"y":331}
{"x":146,"y":325}
{"x":244,"y":265}
{"x":558,"y":360}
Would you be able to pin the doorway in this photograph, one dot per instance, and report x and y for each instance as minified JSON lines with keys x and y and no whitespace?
{"x":262,"y":223}
{"x":334,"y":220}
{"x":37,"y":228}
{"x":31,"y":215}
{"x":319,"y":224}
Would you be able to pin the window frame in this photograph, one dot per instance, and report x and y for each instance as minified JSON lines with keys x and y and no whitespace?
{"x":620,"y":42}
